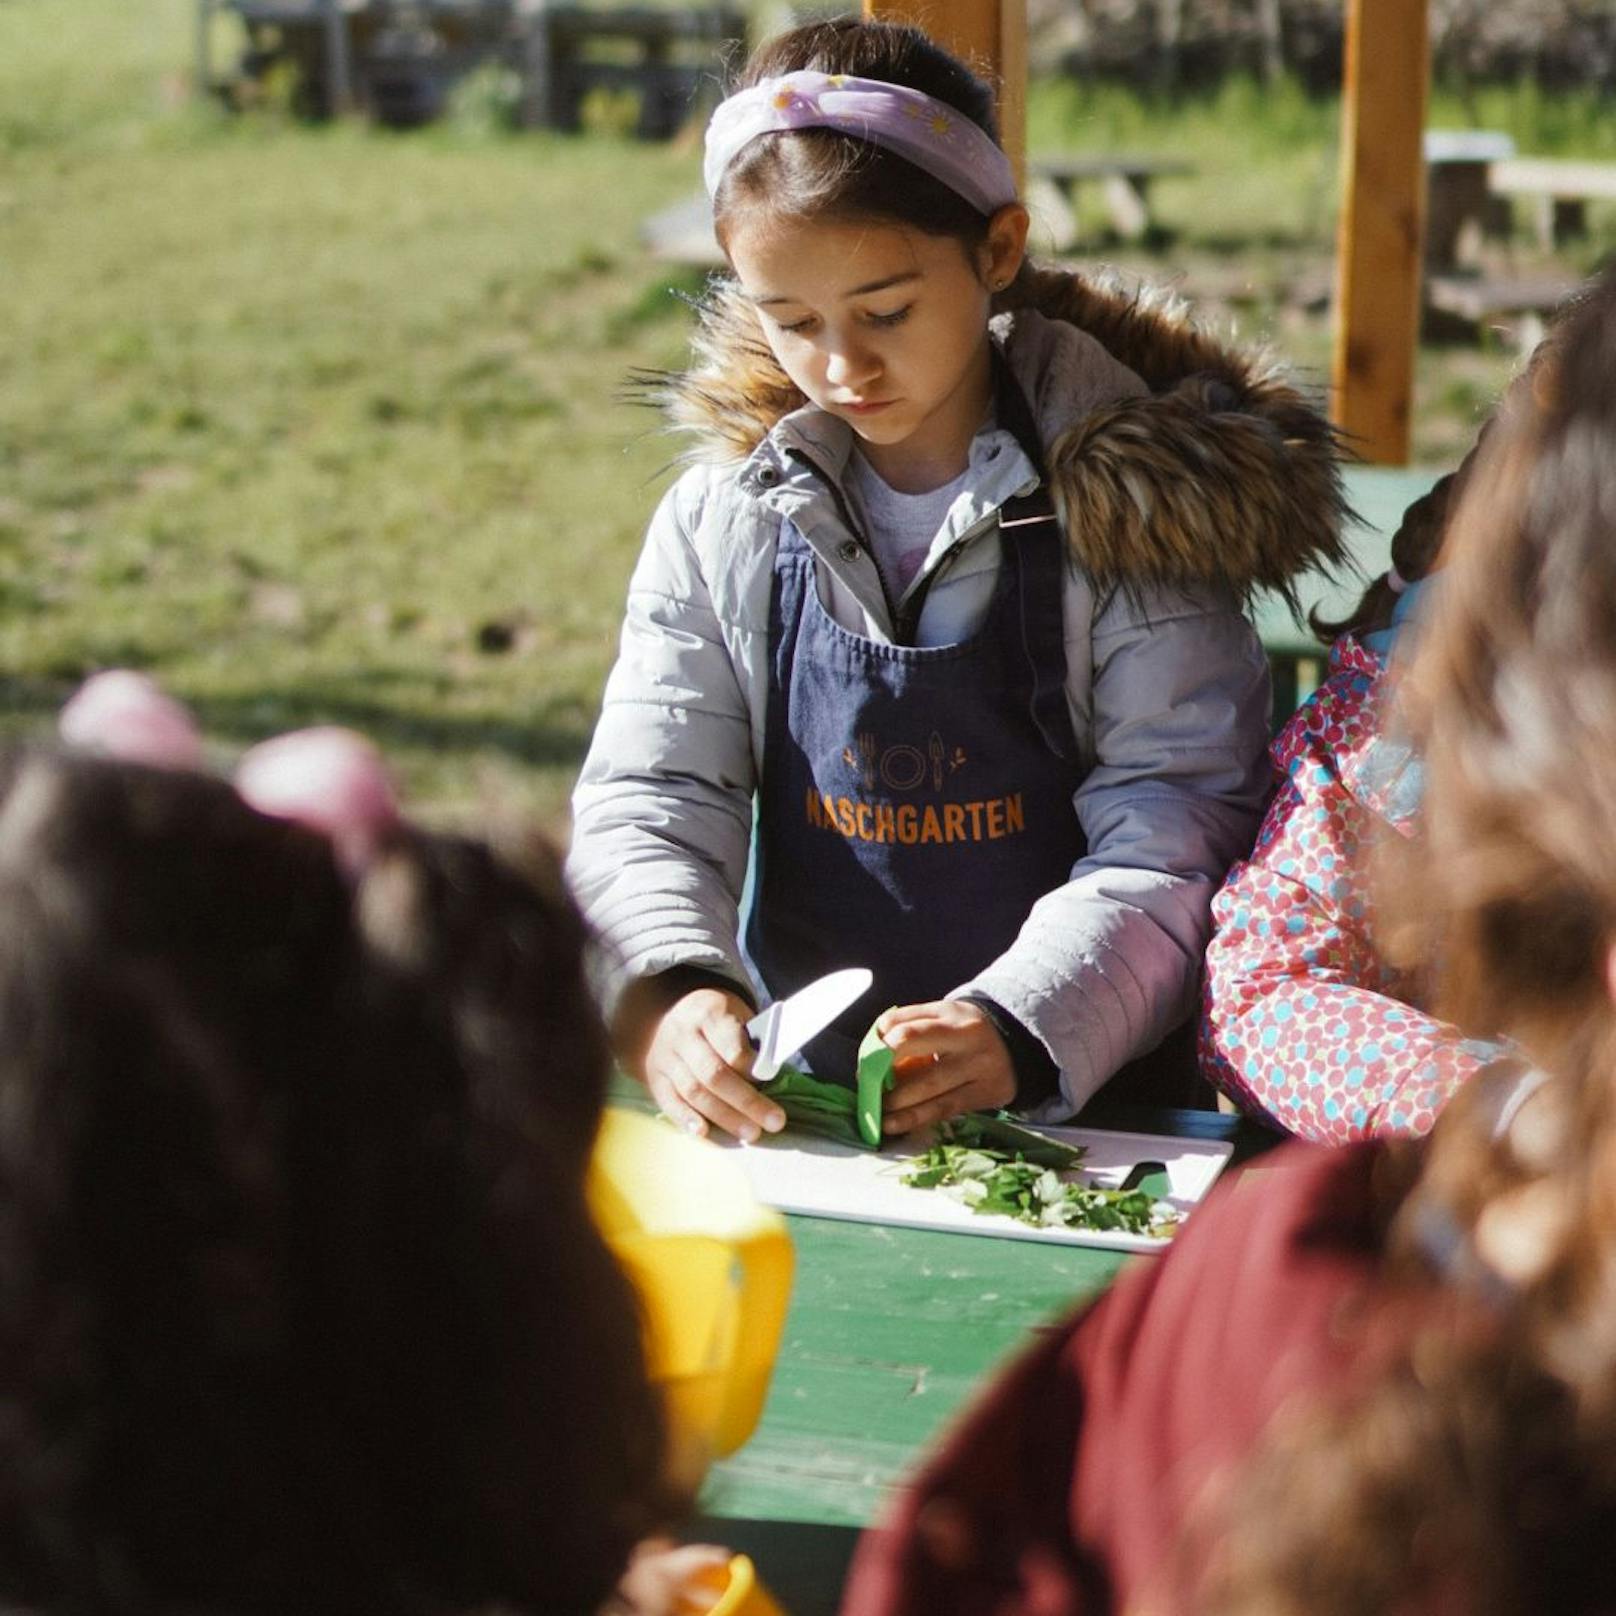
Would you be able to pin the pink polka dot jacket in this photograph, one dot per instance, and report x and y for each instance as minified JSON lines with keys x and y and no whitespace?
{"x":1302,"y":1025}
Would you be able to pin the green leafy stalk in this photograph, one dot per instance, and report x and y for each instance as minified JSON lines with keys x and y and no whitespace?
{"x":828,"y":1109}
{"x":873,"y":1081}
{"x":994,"y":1130}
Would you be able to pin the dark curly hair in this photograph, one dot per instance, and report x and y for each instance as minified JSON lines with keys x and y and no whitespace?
{"x":301,"y":1308}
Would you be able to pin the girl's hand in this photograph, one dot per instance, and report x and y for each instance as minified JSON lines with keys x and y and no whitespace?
{"x":670,"y":1579}
{"x":696,"y":1064}
{"x":951,"y":1059}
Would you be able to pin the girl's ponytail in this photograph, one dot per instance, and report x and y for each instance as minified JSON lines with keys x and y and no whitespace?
{"x":1415,"y":547}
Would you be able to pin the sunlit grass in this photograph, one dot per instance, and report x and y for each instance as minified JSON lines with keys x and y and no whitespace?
{"x":325,"y":424}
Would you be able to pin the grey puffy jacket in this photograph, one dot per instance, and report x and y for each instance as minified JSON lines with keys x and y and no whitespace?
{"x":1167,"y":684}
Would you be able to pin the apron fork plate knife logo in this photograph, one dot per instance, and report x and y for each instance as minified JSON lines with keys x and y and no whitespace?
{"x":781,"y":1030}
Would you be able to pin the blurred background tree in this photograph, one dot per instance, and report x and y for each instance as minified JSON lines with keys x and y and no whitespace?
{"x":1559,"y":43}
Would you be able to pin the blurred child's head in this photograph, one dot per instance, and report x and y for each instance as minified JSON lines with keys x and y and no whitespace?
{"x":1415,"y":546}
{"x":1418,"y":544}
{"x":300,"y":1307}
{"x":1475,"y":1474}
{"x":1513,"y":698}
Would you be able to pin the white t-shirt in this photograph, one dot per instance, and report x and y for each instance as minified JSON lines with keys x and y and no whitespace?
{"x":900,"y":527}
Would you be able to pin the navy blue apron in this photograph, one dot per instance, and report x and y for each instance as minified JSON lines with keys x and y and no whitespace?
{"x":916,"y":801}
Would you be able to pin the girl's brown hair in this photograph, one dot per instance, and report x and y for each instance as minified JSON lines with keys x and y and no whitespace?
{"x":1479,"y":1472}
{"x":821,"y":173}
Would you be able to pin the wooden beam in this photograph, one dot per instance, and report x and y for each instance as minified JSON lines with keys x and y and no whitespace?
{"x":989,"y":35}
{"x":1382,"y":223}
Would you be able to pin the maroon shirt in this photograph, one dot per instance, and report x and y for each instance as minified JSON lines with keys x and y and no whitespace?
{"x":1067,"y":1486}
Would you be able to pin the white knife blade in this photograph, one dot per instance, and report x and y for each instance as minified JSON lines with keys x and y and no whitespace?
{"x":781,"y":1030}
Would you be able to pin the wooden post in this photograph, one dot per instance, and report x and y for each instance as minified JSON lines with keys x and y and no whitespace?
{"x":204,"y":53}
{"x":991,"y":36}
{"x":339,"y":86}
{"x":1382,"y":219}
{"x":1271,"y":33}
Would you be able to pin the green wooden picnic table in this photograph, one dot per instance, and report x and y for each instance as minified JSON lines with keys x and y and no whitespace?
{"x":890,"y":1332}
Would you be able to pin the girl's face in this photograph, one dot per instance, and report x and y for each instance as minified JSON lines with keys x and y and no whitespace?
{"x":885,"y":327}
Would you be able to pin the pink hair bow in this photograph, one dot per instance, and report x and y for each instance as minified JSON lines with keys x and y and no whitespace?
{"x":124,"y":715}
{"x":332,"y":780}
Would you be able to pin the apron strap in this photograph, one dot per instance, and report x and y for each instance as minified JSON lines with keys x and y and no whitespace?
{"x":1030,"y":524}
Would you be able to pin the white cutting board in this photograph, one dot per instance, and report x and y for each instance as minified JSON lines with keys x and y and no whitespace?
{"x":802,"y":1173}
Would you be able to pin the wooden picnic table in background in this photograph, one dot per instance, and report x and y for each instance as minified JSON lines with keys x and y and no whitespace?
{"x":1471,"y":177}
{"x":1459,"y":208}
{"x":1055,"y":184}
{"x":665,"y":54}
{"x":1559,"y":188}
{"x":399,"y":62}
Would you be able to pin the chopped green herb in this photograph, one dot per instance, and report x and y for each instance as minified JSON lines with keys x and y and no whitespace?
{"x":990,"y":1179}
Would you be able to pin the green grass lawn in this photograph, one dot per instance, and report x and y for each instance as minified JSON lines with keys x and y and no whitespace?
{"x":318,"y":424}
{"x":325,"y":424}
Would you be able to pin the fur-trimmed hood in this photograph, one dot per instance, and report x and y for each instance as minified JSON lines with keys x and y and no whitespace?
{"x":1219,"y":471}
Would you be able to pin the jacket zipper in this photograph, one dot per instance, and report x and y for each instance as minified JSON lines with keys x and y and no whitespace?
{"x":904,"y":620}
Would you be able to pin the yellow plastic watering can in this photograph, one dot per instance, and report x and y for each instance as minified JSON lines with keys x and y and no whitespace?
{"x":713,"y":1270}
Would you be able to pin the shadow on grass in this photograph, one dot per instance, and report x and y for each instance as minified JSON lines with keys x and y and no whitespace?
{"x":28,"y":707}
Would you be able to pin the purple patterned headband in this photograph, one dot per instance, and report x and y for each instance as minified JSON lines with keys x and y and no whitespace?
{"x":930,"y":134}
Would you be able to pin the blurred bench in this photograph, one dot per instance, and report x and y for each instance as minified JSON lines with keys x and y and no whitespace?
{"x":1470,"y":176}
{"x":666,"y":55}
{"x":1054,"y":184}
{"x":315,"y":36}
{"x":1525,"y":303}
{"x":397,"y":62}
{"x":398,"y":59}
{"x":1559,"y":189}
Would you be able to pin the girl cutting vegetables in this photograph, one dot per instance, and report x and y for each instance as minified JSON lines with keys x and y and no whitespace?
{"x":949,"y":604}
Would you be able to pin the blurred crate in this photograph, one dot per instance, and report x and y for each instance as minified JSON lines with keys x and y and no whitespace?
{"x":395,"y":59}
{"x":398,"y":59}
{"x":672,"y":57}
